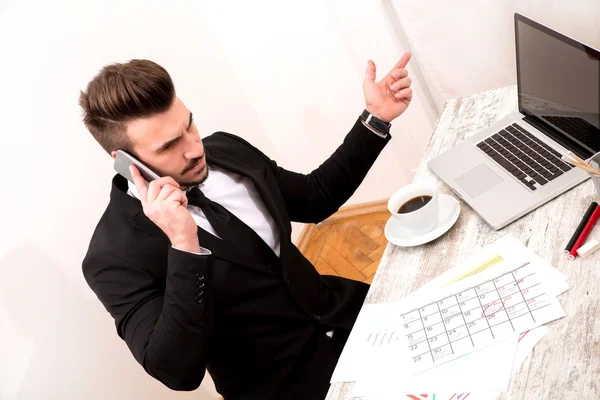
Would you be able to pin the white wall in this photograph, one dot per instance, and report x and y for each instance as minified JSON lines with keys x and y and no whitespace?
{"x":468,"y":46}
{"x":288,"y":79}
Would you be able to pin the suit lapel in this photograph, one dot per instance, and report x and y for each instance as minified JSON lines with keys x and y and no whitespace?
{"x":227,"y":251}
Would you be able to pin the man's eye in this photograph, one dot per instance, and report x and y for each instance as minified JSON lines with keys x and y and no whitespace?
{"x":166,"y":147}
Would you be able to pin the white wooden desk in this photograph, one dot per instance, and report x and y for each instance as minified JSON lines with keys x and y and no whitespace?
{"x":565,"y":364}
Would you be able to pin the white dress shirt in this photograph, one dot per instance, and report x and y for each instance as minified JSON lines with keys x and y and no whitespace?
{"x":238,"y":195}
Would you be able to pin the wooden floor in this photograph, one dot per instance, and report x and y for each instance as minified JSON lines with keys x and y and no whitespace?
{"x":348,"y":244}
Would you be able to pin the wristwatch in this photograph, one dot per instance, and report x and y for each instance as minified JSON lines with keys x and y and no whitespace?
{"x":374,"y":122}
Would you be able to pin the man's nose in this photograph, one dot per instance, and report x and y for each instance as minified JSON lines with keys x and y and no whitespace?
{"x":194,"y":150}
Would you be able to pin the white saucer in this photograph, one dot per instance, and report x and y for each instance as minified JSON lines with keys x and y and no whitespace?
{"x":401,"y":236}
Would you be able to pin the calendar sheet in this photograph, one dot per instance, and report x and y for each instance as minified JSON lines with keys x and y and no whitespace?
{"x":476,"y":317}
{"x":471,"y":314}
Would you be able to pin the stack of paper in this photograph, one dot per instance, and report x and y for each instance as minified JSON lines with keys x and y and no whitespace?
{"x":464,"y":332}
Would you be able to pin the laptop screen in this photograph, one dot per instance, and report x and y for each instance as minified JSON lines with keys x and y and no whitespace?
{"x":559,"y":84}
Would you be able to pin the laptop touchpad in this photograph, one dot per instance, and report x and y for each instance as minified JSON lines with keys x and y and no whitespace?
{"x":478,"y":180}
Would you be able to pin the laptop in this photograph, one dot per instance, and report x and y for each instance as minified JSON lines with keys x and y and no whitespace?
{"x":514,"y":166}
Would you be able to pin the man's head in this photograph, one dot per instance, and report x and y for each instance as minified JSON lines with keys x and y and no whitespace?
{"x":133,"y":107}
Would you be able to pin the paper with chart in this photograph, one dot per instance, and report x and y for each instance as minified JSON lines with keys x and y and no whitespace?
{"x":439,"y":325}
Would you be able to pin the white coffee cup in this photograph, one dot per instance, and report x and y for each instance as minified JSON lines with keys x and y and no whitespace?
{"x":422,"y":220}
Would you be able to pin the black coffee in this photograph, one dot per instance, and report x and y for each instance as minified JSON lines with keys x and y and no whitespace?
{"x":414,"y":204}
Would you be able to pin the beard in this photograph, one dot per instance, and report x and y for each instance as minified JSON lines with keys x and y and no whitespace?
{"x":202,"y":176}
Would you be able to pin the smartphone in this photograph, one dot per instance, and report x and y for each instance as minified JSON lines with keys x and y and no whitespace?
{"x":122,"y":162}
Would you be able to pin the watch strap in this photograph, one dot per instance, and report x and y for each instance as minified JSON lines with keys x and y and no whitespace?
{"x":374,"y":122}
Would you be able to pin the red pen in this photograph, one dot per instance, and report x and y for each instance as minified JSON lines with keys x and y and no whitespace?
{"x":584,"y":234}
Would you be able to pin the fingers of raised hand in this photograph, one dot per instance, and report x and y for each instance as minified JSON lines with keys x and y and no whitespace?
{"x":405,"y":93}
{"x":403,"y":60}
{"x":401,"y":84}
{"x":398,"y":73}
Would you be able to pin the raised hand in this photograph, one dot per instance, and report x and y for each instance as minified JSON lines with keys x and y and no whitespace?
{"x":390,"y":97}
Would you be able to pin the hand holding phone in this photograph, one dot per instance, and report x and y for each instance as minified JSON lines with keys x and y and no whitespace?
{"x":165,"y":204}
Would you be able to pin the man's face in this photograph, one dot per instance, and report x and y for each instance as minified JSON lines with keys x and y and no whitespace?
{"x":170,"y":145}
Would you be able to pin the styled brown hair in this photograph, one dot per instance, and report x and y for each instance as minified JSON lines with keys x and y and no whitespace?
{"x":121,"y":93}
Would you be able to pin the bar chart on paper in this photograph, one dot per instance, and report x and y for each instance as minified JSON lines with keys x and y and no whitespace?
{"x":489,"y":263}
{"x":475,"y":317}
{"x":383,"y":338}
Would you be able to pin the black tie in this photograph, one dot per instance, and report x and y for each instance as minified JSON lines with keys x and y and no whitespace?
{"x":231,"y":229}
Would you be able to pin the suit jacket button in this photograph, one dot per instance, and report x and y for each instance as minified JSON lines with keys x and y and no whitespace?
{"x":199,"y":299}
{"x":317,"y":317}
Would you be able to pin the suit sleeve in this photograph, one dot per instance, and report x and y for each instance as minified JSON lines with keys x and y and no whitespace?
{"x":314,"y":197}
{"x":168,"y":328}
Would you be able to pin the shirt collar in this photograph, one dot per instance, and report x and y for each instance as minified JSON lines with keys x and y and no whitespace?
{"x":132,"y":190}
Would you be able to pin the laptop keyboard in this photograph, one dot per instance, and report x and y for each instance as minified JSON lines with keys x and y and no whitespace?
{"x":527,"y":158}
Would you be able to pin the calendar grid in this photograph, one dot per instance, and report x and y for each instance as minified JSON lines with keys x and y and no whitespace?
{"x":445,"y":330}
{"x":463,"y":311}
{"x":481,"y":305}
{"x":504,"y":308}
{"x":471,"y":309}
{"x":482,"y":330}
{"x":522,"y":295}
{"x":464,"y":320}
{"x":496,"y":301}
{"x":426,"y":338}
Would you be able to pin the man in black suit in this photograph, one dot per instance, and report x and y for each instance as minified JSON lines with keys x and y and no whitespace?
{"x":198,"y":268}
